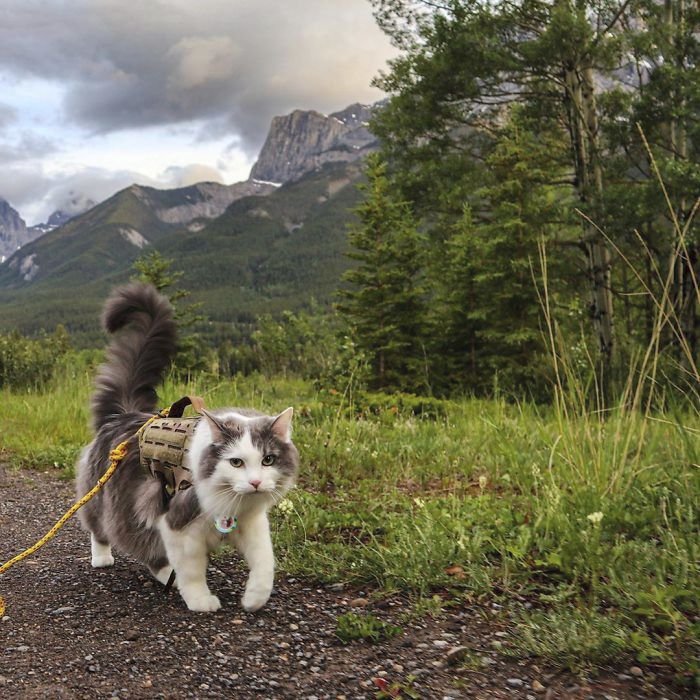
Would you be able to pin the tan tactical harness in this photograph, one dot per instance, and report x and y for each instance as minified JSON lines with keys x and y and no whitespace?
{"x":165,"y":442}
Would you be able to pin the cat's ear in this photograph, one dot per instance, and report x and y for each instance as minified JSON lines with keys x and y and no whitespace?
{"x":282,"y":425}
{"x":218,"y":429}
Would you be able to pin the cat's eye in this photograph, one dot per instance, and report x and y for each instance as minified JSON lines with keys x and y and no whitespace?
{"x":236,"y":462}
{"x":268,"y":460}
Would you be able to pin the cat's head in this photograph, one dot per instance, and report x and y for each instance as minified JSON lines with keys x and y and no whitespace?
{"x":250,"y":454}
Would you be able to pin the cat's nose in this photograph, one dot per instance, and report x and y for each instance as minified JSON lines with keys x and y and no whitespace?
{"x":255,"y":483}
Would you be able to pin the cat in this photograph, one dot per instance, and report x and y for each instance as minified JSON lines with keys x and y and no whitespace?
{"x":241,"y":463}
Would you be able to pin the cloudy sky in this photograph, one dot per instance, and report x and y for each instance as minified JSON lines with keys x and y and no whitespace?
{"x":97,"y":94}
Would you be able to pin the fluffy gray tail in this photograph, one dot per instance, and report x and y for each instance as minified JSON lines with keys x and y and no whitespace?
{"x":138,"y":357}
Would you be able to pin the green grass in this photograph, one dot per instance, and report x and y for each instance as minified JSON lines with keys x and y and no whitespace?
{"x":595,"y":522}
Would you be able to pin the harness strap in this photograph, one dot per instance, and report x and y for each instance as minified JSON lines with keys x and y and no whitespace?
{"x":164,"y":444}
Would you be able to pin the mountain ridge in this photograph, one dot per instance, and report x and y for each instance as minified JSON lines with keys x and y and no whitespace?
{"x":253,"y":247}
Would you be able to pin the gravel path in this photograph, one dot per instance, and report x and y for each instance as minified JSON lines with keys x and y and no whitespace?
{"x":74,"y":632}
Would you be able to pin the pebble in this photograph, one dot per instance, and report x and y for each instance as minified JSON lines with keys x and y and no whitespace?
{"x":636,"y":671}
{"x":456,"y":654}
{"x":22,"y":648}
{"x":440,"y":643}
{"x":538,"y":687}
{"x":3,"y":680}
{"x":515,"y":682}
{"x":64,"y":609}
{"x":132,"y":635}
{"x":359,"y":603}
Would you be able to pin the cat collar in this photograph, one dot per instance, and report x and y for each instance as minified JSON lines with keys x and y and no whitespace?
{"x":226,"y":525}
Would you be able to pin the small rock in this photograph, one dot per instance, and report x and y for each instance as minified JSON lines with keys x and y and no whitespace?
{"x":62,"y":610}
{"x":3,"y":680}
{"x":538,"y":687}
{"x":623,"y":677}
{"x":22,"y":648}
{"x":515,"y":682}
{"x":359,"y":603}
{"x":636,"y":671}
{"x":440,"y":643}
{"x":132,"y":635}
{"x":456,"y":654}
{"x":336,"y":587}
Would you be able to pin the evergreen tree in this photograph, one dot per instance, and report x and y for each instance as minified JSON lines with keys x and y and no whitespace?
{"x":157,"y":270}
{"x":383,"y":301}
{"x":489,"y":309}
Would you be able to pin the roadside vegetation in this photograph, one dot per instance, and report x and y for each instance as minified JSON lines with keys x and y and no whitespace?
{"x":590,"y":519}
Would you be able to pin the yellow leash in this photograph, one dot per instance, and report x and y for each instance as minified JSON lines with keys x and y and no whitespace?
{"x":115,"y":458}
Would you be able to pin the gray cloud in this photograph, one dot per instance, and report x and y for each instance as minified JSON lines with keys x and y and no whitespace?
{"x":8,"y":115}
{"x":231,"y":64}
{"x":27,"y":146}
{"x":36,"y":194}
{"x":182,"y":176}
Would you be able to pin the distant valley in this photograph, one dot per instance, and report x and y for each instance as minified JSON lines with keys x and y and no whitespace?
{"x":273,"y":242}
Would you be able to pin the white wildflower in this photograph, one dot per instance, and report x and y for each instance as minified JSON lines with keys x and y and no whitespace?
{"x":286,"y":506}
{"x":482,"y":482}
{"x":419,"y":502}
{"x":595,"y":518}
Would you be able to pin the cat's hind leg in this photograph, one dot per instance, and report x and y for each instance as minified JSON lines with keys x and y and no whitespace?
{"x":101,"y":553}
{"x":162,"y":573}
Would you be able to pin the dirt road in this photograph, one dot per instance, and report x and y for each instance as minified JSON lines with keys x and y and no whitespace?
{"x":74,"y":632}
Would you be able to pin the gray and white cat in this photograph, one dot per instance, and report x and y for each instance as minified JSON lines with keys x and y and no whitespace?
{"x":241,"y":462}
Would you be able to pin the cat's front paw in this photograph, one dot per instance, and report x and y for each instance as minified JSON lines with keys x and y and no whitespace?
{"x":253,"y":600}
{"x":204,"y":602}
{"x":101,"y":561}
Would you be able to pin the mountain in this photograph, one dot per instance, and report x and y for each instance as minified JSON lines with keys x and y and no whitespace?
{"x":57,"y":219}
{"x":13,"y":230}
{"x":114,"y":233}
{"x":302,"y":141}
{"x":268,"y":244}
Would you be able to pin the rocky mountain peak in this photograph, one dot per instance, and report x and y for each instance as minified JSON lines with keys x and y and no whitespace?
{"x":13,"y":230}
{"x":303,"y":140}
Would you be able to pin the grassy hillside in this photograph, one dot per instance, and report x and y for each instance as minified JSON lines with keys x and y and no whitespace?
{"x":264,"y":254}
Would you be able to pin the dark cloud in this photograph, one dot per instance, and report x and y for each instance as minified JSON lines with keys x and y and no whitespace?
{"x":28,"y":146}
{"x":233,"y":64}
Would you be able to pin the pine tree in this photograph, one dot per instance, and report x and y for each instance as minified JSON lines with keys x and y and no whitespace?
{"x":158,"y":271}
{"x":489,"y":308}
{"x":383,"y":301}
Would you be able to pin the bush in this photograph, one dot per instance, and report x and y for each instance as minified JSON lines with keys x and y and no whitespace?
{"x":30,"y":364}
